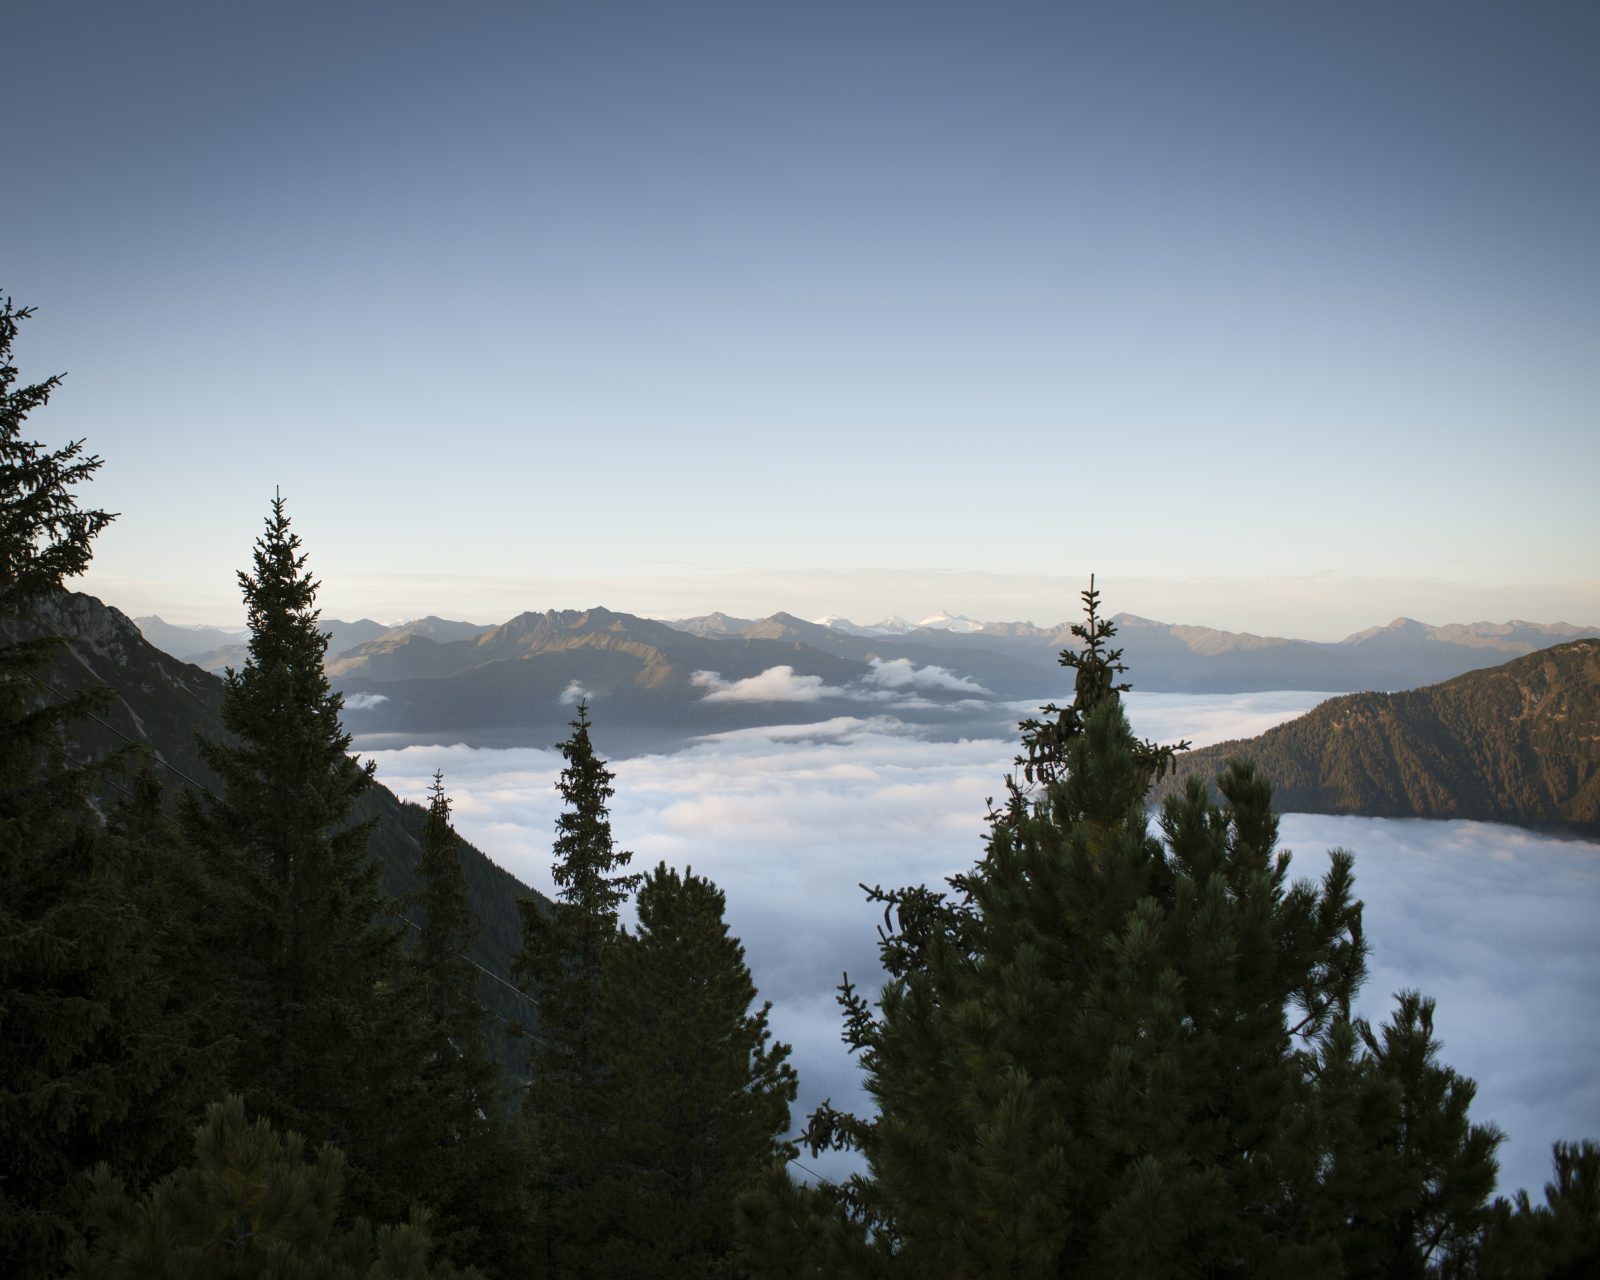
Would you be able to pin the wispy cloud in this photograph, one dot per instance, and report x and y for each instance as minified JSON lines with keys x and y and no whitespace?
{"x":364,"y":701}
{"x":575,"y":693}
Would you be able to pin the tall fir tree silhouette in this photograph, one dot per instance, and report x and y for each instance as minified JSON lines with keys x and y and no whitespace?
{"x":94,"y":1060}
{"x":562,"y":966}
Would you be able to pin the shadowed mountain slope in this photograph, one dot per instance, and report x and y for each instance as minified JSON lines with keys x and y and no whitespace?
{"x":163,"y":703}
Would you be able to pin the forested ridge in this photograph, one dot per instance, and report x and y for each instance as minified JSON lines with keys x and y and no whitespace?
{"x":244,"y":1035}
{"x":1518,"y":743}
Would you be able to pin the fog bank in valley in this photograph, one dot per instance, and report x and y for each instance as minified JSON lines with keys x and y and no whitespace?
{"x":1495,"y":922}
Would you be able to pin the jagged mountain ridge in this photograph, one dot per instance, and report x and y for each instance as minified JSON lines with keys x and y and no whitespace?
{"x":1519,"y":743}
{"x":515,"y":683}
{"x":1014,"y":659}
{"x":651,"y":682}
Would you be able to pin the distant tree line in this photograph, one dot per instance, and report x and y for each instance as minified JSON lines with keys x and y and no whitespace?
{"x":1101,"y":1052}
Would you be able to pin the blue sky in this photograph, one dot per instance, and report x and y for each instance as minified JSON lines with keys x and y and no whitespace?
{"x":1282,"y":318}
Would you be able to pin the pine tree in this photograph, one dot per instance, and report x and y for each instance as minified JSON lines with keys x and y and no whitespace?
{"x":250,"y":1205}
{"x":93,"y":1060}
{"x":1123,"y":1055}
{"x":698,"y":1096}
{"x":1558,"y":1240}
{"x":562,"y":966}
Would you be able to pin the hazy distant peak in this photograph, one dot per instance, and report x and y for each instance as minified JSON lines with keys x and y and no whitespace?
{"x":945,"y":621}
{"x":1206,"y":641}
{"x":1397,"y":627}
{"x":1125,"y":620}
{"x":186,"y":641}
{"x":710,"y":625}
{"x":440,"y":629}
{"x":1515,"y":637}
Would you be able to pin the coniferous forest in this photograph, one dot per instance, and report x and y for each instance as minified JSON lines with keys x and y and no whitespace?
{"x":1119,"y":1045}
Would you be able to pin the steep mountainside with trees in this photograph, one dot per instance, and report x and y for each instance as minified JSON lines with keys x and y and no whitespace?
{"x":157,"y":701}
{"x":1518,"y":743}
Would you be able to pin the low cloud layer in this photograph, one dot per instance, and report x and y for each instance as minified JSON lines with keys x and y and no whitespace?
{"x":1493,"y":921}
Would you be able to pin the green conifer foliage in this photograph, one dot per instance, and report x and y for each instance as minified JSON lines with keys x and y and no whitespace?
{"x":562,"y":965}
{"x":323,"y":1031}
{"x":471,"y":1164}
{"x":697,"y":1093}
{"x":250,"y":1205}
{"x":447,"y":928}
{"x":93,"y":1064}
{"x":1558,"y":1240}
{"x":1118,"y":1053}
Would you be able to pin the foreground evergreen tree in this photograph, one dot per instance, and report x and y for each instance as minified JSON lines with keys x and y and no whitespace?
{"x":93,"y":1057}
{"x":698,"y":1095}
{"x":328,"y":1033}
{"x":562,"y":965}
{"x":1117,"y":1055}
{"x":251,"y":1205}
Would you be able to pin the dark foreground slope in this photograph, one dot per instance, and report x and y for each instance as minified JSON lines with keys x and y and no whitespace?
{"x":1518,"y":743}
{"x":162,"y":702}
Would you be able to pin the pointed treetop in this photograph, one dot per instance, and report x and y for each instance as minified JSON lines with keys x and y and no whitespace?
{"x":1045,"y":740}
{"x":44,"y":536}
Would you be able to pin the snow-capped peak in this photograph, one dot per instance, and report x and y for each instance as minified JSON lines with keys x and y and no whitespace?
{"x":943,"y":621}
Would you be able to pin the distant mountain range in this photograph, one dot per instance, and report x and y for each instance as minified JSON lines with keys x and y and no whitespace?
{"x":659,"y":684}
{"x":1519,"y":743}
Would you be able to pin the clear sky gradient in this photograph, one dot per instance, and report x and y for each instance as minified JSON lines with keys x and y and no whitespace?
{"x":1278,"y":317}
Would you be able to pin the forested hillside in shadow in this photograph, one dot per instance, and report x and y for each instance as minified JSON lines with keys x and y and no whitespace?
{"x":1518,"y":743}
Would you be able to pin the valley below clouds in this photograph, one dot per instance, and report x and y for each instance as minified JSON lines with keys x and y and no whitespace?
{"x":1494,"y":922}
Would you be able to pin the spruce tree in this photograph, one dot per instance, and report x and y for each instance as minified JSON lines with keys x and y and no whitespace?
{"x":697,"y":1093}
{"x":326,"y":1038}
{"x":446,"y":930}
{"x":474,"y":1168}
{"x":93,"y":1059}
{"x":1120,"y":1054}
{"x":561,"y":966}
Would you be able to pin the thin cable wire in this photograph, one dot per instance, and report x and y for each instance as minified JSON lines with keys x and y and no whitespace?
{"x":824,"y":1181}
{"x":132,"y":741}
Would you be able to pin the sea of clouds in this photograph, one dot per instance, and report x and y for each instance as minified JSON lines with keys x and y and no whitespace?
{"x":1495,"y":922}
